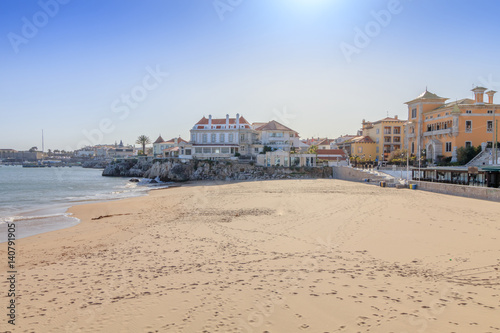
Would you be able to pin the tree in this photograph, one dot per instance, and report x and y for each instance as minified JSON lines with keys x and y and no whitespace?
{"x":143,"y":140}
{"x":313,"y":149}
{"x":33,"y":149}
{"x":397,"y":156}
{"x":465,"y":154}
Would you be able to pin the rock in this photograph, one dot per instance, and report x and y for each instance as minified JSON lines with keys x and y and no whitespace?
{"x":134,"y":180}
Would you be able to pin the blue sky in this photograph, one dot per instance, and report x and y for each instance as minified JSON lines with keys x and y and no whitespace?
{"x":76,"y":75}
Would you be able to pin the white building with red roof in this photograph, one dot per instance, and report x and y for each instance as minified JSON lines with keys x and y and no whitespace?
{"x":171,"y":148}
{"x":278,"y":136}
{"x":215,"y":138}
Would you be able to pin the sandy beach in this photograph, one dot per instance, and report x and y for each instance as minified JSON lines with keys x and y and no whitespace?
{"x":271,"y":256}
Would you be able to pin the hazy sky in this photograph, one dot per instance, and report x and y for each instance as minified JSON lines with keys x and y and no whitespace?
{"x":99,"y":70}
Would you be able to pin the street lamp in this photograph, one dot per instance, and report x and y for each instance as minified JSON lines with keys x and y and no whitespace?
{"x":407,"y":129}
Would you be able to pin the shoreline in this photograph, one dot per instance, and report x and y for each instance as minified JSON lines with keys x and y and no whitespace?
{"x":60,"y":215}
{"x":286,"y":255}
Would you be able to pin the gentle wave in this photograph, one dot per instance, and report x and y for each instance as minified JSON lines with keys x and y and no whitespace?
{"x":39,"y":217}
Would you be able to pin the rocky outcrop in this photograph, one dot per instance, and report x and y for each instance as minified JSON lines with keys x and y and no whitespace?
{"x":177,"y":171}
{"x":127,"y":168}
{"x":174,"y":170}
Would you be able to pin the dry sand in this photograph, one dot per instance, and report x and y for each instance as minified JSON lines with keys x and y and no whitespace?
{"x":274,"y":256}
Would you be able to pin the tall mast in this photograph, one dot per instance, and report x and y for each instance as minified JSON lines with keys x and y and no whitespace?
{"x":42,"y":143}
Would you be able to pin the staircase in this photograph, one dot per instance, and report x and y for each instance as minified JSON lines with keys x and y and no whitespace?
{"x":375,"y":176}
{"x":483,"y":158}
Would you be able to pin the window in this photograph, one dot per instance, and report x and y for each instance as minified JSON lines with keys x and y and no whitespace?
{"x":256,"y":150}
{"x":204,"y":138}
{"x":378,"y":131}
{"x":377,"y":149}
{"x":378,"y":140}
{"x":397,"y":139}
{"x":489,"y":126}
{"x":224,"y":150}
{"x":414,"y":113}
{"x":360,"y":150}
{"x":188,"y":151}
{"x":216,"y":150}
{"x":387,"y":130}
{"x":448,"y":147}
{"x":222,"y":137}
{"x":207,"y":150}
{"x":197,"y":150}
{"x":468,"y":111}
{"x":230,"y":138}
{"x":213,"y":138}
{"x":242,"y":137}
{"x":430,"y":117}
{"x":490,"y":111}
{"x":387,"y":139}
{"x":397,"y":130}
{"x":193,"y":137}
{"x":413,"y":147}
{"x":468,"y":126}
{"x":468,"y":144}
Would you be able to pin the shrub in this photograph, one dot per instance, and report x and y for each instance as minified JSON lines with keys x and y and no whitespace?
{"x":465,"y":154}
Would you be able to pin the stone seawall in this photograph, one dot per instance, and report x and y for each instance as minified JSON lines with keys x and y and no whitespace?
{"x":485,"y":193}
{"x":178,"y":171}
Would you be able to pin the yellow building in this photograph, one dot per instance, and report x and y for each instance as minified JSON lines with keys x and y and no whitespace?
{"x":388,"y":135}
{"x":437,"y":128}
{"x":363,"y":147}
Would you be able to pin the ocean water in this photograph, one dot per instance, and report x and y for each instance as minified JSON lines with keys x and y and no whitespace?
{"x":37,"y":198}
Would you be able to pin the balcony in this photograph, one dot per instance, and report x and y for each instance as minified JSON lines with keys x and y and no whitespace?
{"x":438,"y":132}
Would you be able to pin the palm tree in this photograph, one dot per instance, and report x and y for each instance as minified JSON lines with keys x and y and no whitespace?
{"x":143,"y":140}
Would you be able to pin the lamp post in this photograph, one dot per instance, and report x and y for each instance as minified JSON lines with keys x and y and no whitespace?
{"x":418,"y":147}
{"x":402,"y":155}
{"x":407,"y":151}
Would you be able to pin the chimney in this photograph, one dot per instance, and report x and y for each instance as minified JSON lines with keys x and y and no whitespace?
{"x":237,"y":119}
{"x":227,"y":119}
{"x":479,"y":94}
{"x":209,"y":120}
{"x":490,"y":96}
{"x":396,"y":117}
